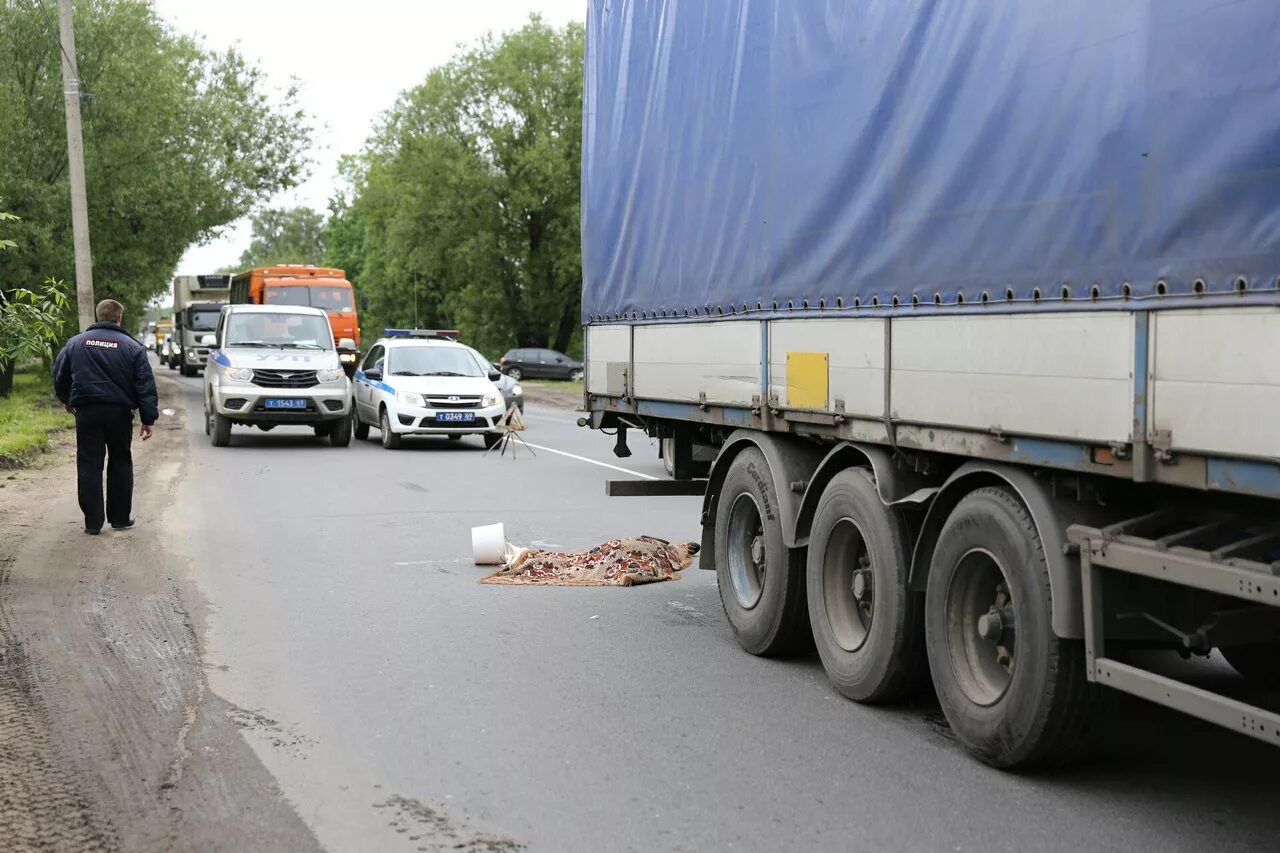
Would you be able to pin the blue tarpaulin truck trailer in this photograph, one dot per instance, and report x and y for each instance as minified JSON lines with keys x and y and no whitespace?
{"x":977,"y":305}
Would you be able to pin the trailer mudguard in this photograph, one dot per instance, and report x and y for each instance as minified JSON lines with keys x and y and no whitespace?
{"x":791,"y":461}
{"x":1051,"y":516}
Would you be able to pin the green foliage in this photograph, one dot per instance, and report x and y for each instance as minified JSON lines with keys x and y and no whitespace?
{"x":285,"y":236}
{"x":463,"y":208}
{"x":179,"y":140}
{"x":31,"y":322}
{"x":28,"y":417}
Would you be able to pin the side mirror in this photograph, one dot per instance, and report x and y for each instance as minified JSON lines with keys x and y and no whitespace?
{"x":494,"y":376}
{"x":346,"y":343}
{"x":208,"y":341}
{"x":373,"y":374}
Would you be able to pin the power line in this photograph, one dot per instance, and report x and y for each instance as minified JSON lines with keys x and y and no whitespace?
{"x":53,"y":30}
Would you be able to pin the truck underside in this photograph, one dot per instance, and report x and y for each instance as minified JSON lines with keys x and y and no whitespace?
{"x":1010,"y":504}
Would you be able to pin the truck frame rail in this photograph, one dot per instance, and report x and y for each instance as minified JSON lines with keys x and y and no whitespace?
{"x":1230,"y":568}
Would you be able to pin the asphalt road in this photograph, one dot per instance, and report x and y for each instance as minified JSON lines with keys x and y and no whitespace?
{"x":400,"y":704}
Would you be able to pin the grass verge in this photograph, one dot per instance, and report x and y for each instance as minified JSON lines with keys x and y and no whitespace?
{"x":28,"y":417}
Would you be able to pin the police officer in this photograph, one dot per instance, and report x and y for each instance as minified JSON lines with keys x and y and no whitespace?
{"x":101,"y":376}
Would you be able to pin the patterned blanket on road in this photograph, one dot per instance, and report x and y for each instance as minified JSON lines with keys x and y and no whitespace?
{"x":618,"y":562}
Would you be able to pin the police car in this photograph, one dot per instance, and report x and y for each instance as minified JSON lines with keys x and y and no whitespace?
{"x":271,"y":365}
{"x":423,"y":382}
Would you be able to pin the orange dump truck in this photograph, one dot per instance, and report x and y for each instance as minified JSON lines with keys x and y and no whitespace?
{"x":304,"y":284}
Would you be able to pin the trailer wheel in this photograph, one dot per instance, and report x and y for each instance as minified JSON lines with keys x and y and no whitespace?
{"x":1257,"y":664}
{"x":1013,"y":692}
{"x":867,"y":625}
{"x":761,"y":580}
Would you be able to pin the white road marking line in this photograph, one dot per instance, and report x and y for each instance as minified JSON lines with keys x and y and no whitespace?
{"x":591,"y":461}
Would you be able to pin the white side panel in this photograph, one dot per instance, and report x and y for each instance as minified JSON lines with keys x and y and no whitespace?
{"x":1061,"y":375}
{"x":680,"y":361}
{"x":605,"y":345}
{"x":856,"y":350}
{"x":1216,"y":380}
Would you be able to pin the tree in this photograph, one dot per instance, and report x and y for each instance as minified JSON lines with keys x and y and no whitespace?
{"x":464,"y":203}
{"x":30,"y":321}
{"x":179,"y":141}
{"x":286,"y":236}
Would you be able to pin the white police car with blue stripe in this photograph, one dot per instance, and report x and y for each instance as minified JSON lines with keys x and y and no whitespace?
{"x":420,"y":382}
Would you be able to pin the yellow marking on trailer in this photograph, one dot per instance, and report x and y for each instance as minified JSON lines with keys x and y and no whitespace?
{"x":808,"y":375}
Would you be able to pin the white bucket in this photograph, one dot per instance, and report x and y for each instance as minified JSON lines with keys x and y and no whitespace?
{"x":489,"y":545}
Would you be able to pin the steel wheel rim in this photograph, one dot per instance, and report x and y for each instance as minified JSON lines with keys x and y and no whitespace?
{"x":385,"y":429}
{"x":848,"y":586}
{"x":747,"y":561}
{"x":981,"y":627}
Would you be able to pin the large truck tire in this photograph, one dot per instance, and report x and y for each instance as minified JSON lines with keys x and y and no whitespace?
{"x":761,"y":580}
{"x":1257,"y":664}
{"x":1014,"y":693}
{"x":867,"y":625}
{"x":220,"y":429}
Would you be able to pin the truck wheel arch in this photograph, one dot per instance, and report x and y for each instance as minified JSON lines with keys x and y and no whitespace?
{"x":1051,"y":516}
{"x":790,"y":460}
{"x":893,"y":484}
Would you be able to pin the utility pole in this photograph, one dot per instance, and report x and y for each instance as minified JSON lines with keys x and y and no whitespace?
{"x":75,"y":166}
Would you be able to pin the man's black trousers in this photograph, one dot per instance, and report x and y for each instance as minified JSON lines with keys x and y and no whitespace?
{"x":104,"y":433}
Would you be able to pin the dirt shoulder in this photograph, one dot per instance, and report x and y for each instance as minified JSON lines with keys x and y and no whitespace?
{"x":109,"y":737}
{"x":562,"y":395}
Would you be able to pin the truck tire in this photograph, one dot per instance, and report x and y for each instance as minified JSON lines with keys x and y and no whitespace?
{"x":340,"y":432}
{"x":669,"y":456}
{"x":1257,"y":664}
{"x":867,"y":625}
{"x":219,"y":429}
{"x":358,"y":427}
{"x":761,"y":580}
{"x":390,"y":440}
{"x":1014,"y":693}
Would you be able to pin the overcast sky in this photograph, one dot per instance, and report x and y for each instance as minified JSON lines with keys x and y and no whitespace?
{"x":351,"y":60}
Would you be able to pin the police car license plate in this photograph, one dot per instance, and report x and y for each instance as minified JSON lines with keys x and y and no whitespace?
{"x":285,"y":403}
{"x":456,"y":417}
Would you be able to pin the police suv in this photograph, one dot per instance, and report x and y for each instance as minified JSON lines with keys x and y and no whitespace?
{"x":275,"y":364}
{"x":423,"y":382}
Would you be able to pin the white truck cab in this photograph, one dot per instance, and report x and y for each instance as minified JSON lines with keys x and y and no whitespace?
{"x":272,"y":365}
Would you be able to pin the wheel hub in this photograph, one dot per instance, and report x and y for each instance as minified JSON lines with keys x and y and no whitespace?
{"x":982,"y":627}
{"x":747,"y":551}
{"x":848,"y":585}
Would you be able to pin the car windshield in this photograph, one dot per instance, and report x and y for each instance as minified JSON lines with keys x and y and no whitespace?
{"x":432,"y":361}
{"x":202,"y":319}
{"x":329,"y":298}
{"x":485,"y":367}
{"x":278,"y":330}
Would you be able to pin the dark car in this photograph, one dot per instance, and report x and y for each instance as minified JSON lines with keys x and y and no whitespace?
{"x":508,"y":385}
{"x":537,"y":363}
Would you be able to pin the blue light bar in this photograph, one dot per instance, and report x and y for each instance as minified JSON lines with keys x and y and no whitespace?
{"x":447,"y":334}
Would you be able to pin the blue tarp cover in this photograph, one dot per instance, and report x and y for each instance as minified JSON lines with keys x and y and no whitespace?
{"x":847,"y":152}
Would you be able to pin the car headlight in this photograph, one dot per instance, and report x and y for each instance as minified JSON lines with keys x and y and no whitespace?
{"x":347,"y":358}
{"x":517,"y":391}
{"x":329,"y":375}
{"x":242,"y":374}
{"x":491,"y":400}
{"x":410,"y":399}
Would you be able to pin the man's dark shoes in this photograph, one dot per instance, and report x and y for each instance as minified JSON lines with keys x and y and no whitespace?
{"x":124,"y":525}
{"x":93,"y":531}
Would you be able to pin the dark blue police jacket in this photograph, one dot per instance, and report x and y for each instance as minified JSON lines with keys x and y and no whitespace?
{"x":103,"y":365}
